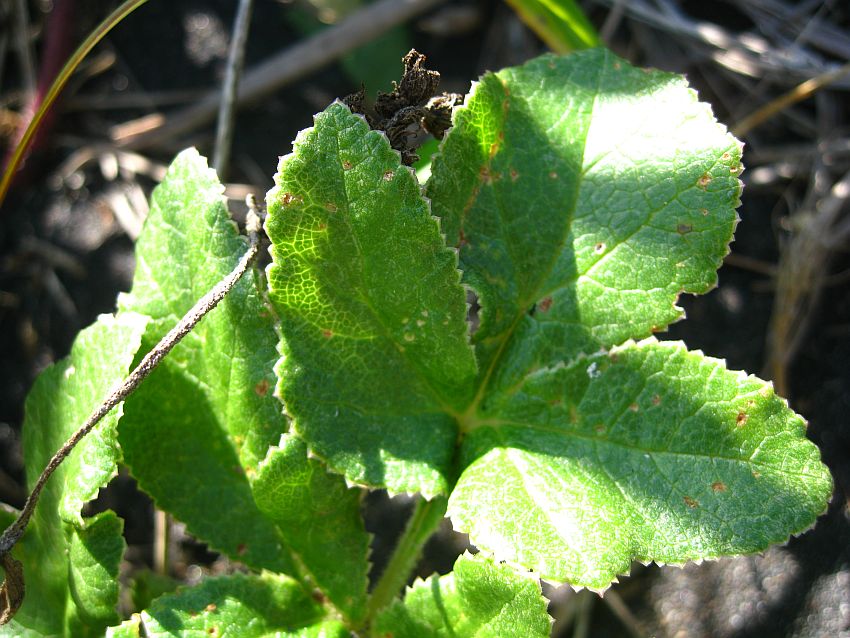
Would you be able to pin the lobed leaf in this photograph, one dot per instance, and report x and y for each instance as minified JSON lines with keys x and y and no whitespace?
{"x":480,"y":598}
{"x":236,"y":606}
{"x":375,"y":349}
{"x":71,"y":563}
{"x":649,"y":452}
{"x":319,"y":517}
{"x":196,"y":430}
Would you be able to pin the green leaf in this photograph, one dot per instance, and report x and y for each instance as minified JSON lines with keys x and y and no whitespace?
{"x":585,"y":195}
{"x":236,"y":606}
{"x":648,"y":453}
{"x":561,"y":24}
{"x":71,"y":563}
{"x":195,"y":432}
{"x":480,"y":598}
{"x":320,"y":519}
{"x":376,"y":356}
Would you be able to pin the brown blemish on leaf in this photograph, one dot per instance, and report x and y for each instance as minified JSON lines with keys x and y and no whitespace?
{"x":262,"y":388}
{"x":461,"y":242}
{"x":494,"y":148}
{"x":718,"y":486}
{"x":704,"y":181}
{"x":726,"y":157}
{"x":634,"y":407}
{"x":599,"y":428}
{"x":322,"y":226}
{"x":514,"y":175}
{"x":545,"y":304}
{"x":690,"y":502}
{"x":288,"y":198}
{"x":212,"y":631}
{"x":741,"y":419}
{"x":555,"y":402}
{"x":656,"y":400}
{"x":485,"y":175}
{"x":331,"y":207}
{"x":756,"y":474}
{"x":616,"y":66}
{"x":553,"y":175}
{"x":211,"y":607}
{"x":346,"y":164}
{"x":704,"y":212}
{"x":684,"y":229}
{"x":388,"y":176}
{"x":327,"y":334}
{"x":599,"y":248}
{"x":241,"y":548}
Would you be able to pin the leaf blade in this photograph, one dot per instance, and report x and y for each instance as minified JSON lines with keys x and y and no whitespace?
{"x":375,"y":347}
{"x":196,"y":430}
{"x":626,"y":456}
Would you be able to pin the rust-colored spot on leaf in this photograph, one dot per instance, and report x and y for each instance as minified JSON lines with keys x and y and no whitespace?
{"x":210,"y":607}
{"x":212,"y":631}
{"x":494,"y":148}
{"x":690,"y":502}
{"x":599,"y":248}
{"x":656,"y":400}
{"x":545,"y":304}
{"x":331,"y":207}
{"x":756,"y":474}
{"x":346,"y":164}
{"x":726,"y":157}
{"x":288,"y":198}
{"x":634,"y":407}
{"x":718,"y":486}
{"x":741,"y":419}
{"x":684,"y":229}
{"x":485,"y":175}
{"x":388,"y":176}
{"x":241,"y":548}
{"x":462,"y":241}
{"x":704,"y":180}
{"x":704,"y":212}
{"x":262,"y":388}
{"x":327,"y":334}
{"x":514,"y":175}
{"x":553,"y":175}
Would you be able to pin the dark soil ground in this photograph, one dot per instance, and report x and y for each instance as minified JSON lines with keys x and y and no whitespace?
{"x":65,"y":254}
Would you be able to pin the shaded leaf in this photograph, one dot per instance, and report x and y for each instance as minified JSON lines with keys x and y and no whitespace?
{"x":196,"y":430}
{"x":320,"y":519}
{"x":236,"y":606}
{"x":60,"y":550}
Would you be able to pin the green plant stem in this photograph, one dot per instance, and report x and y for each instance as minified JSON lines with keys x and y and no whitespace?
{"x":112,"y":20}
{"x":423,"y":522}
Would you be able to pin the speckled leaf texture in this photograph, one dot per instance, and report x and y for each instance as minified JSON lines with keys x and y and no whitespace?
{"x":70,"y":562}
{"x":320,"y":519}
{"x":237,"y":606}
{"x":196,"y":430}
{"x":376,"y":356}
{"x":480,"y":598}
{"x":583,"y":197}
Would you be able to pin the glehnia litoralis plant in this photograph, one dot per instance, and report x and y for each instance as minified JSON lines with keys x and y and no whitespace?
{"x":577,"y":198}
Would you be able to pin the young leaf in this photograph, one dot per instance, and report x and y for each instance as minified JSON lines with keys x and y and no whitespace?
{"x":237,"y":606}
{"x":196,"y":430}
{"x":320,"y":519}
{"x":584,"y":195}
{"x":376,"y":356}
{"x":479,"y":599}
{"x":649,"y":452}
{"x":71,"y":563}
